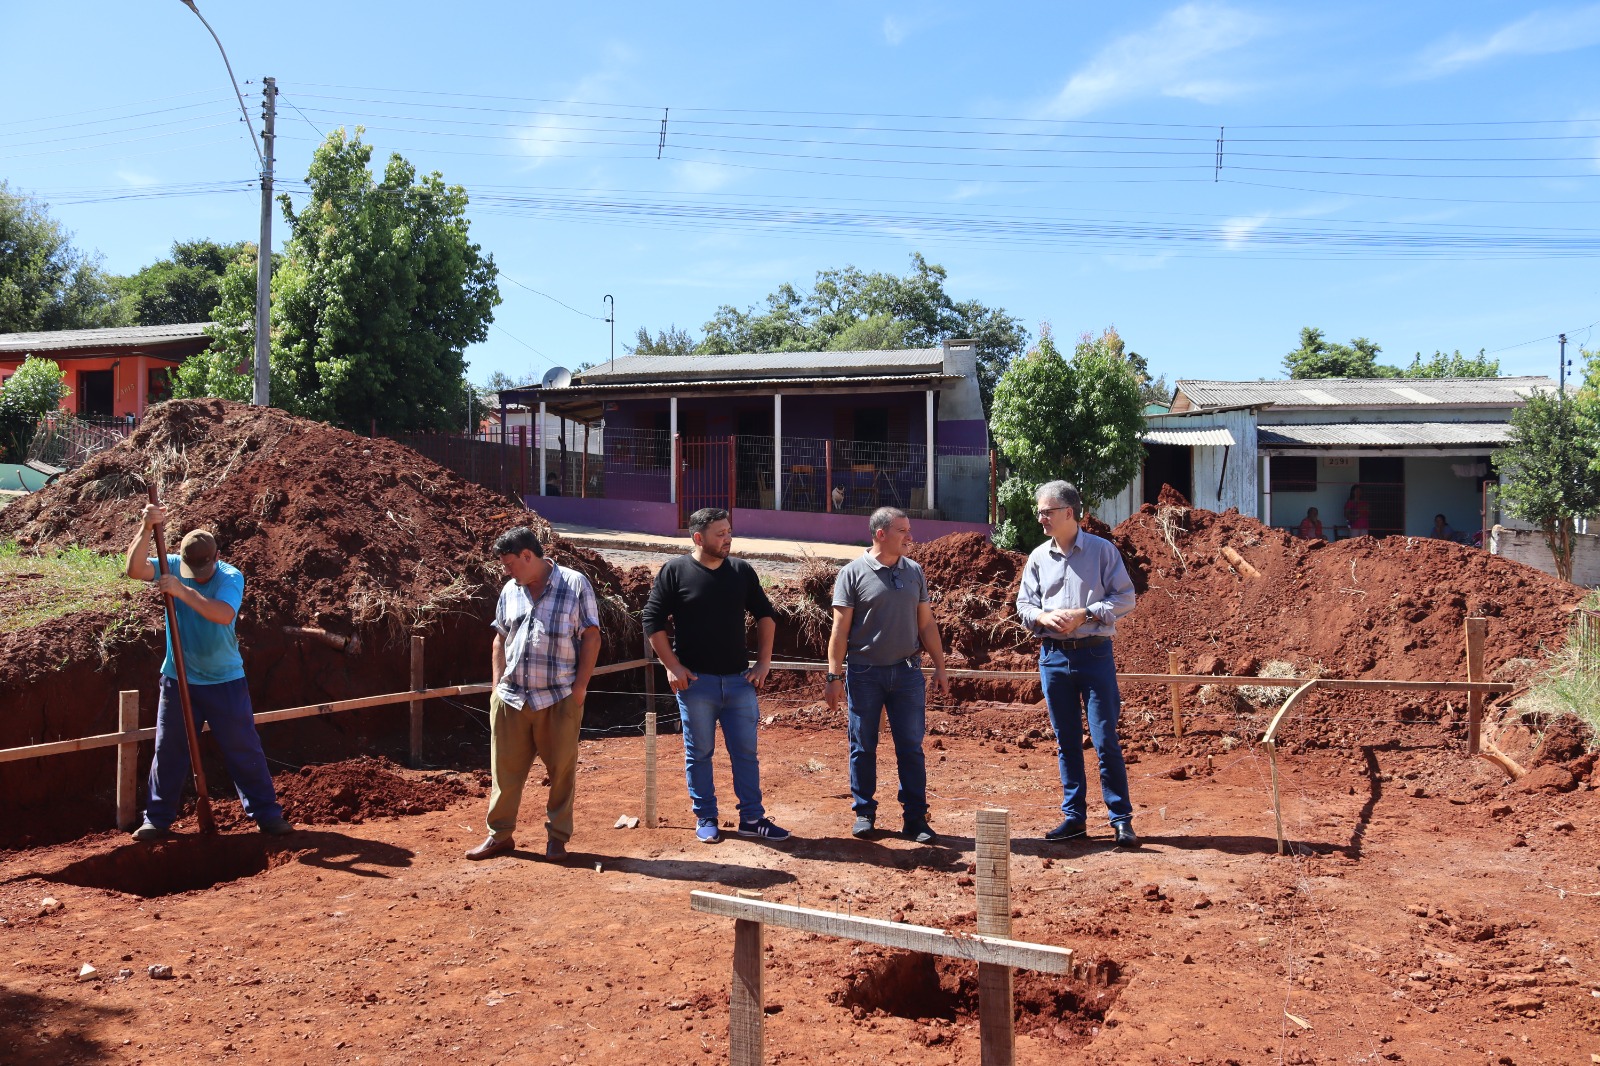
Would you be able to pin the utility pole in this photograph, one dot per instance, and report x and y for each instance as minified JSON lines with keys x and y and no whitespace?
{"x":269,"y":112}
{"x":612,"y":318}
{"x":1562,"y":375}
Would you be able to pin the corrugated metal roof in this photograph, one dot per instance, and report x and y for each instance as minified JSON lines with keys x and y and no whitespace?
{"x":118,"y":336}
{"x":1365,"y":392}
{"x":1387,"y":434}
{"x":1202,"y":436}
{"x":641,"y":368}
{"x":533,"y":393}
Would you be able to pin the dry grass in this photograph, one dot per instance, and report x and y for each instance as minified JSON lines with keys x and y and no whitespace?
{"x":49,"y":585}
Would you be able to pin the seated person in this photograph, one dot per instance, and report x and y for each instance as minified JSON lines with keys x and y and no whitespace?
{"x":1441,"y":529}
{"x":1311,"y":525}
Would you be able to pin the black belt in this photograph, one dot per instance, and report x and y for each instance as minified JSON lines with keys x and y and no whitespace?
{"x":1082,"y":642}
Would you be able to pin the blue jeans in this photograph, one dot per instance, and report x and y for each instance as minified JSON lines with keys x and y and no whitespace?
{"x":901,"y":690}
{"x":227,"y":708}
{"x":731,"y":700}
{"x":1079,"y":683}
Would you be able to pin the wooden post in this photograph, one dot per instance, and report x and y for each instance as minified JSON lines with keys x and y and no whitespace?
{"x":1173,"y":665}
{"x":649,"y":735}
{"x":417,"y":685}
{"x":995,"y":1021}
{"x":746,"y":1004}
{"x":127,"y":762}
{"x":1477,"y":631}
{"x":827,"y":466}
{"x":583,"y":486}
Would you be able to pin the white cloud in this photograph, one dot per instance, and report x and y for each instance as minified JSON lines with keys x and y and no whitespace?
{"x":138,"y":179}
{"x":558,"y":134}
{"x":896,"y":30}
{"x":1182,"y":55}
{"x":1541,"y":33}
{"x":1237,"y":232}
{"x":701,"y":177}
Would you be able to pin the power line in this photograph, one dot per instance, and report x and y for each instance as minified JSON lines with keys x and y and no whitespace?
{"x":524,"y":343}
{"x":547,"y":296}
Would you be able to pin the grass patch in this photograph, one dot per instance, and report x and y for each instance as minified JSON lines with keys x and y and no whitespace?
{"x":36,"y":588}
{"x":1570,"y":680}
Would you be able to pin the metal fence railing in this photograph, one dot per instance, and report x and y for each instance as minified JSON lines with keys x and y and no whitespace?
{"x":65,"y":440}
{"x":816,"y":474}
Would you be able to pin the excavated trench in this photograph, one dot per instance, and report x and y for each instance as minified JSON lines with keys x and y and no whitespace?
{"x":181,"y":864}
{"x":1067,"y":1011}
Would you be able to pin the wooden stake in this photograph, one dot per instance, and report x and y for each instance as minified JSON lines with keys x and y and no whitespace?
{"x":649,"y":734}
{"x":417,"y":685}
{"x":746,"y":1013}
{"x":1173,"y":665}
{"x":1277,"y":802}
{"x":1238,"y":562}
{"x":650,"y":769}
{"x":995,"y":1017}
{"x":1477,"y":631}
{"x":128,"y":762}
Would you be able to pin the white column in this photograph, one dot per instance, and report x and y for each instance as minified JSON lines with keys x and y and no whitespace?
{"x":1266,"y":490}
{"x":777,"y":451}
{"x":672,"y":449}
{"x":538,"y":442}
{"x":933,"y":473}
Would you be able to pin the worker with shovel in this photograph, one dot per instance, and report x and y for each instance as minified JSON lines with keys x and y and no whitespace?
{"x":206,"y":593}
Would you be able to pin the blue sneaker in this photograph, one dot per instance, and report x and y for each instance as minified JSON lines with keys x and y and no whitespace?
{"x":707,"y":831}
{"x":766,"y":829}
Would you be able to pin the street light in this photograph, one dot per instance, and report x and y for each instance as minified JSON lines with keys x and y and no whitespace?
{"x":262,"y":393}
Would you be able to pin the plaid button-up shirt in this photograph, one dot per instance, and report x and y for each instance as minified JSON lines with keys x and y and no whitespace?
{"x":542,"y":633}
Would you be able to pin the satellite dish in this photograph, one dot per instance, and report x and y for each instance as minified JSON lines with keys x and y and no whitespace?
{"x":557,"y":377}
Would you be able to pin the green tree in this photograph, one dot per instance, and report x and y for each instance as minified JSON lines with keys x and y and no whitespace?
{"x":1550,"y":469}
{"x":1151,"y":390}
{"x":186,"y":287}
{"x":36,"y":388}
{"x":379,"y":293}
{"x":871,"y":305}
{"x":45,"y":282}
{"x":672,"y":341}
{"x":1080,"y":419}
{"x":1318,"y":357}
{"x":1454,"y":365}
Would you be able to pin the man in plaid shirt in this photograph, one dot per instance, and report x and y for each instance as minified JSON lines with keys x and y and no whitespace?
{"x":547,"y":637}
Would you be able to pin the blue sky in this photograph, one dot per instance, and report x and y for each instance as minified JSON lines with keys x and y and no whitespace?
{"x":1423,"y":174}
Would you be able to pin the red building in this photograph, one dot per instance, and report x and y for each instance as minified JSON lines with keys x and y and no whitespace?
{"x":113,"y":373}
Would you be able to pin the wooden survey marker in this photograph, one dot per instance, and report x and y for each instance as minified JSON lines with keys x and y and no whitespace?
{"x":995,"y":955}
{"x":995,"y":1020}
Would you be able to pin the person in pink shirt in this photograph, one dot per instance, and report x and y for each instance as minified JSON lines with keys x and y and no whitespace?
{"x":1311,"y":525}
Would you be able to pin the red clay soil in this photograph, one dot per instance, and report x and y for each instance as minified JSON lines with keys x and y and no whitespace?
{"x":1428,"y":912}
{"x":348,"y":545}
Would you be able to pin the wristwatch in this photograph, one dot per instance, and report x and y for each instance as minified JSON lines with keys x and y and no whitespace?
{"x":833,"y":677}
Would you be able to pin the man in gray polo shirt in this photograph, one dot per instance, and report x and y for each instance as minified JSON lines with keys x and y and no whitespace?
{"x":882,"y":622}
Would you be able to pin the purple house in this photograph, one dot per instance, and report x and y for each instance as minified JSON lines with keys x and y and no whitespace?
{"x":799,"y":445}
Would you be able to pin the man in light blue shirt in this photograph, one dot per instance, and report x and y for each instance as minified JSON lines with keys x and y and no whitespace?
{"x":206,"y":593}
{"x":1074,"y":588}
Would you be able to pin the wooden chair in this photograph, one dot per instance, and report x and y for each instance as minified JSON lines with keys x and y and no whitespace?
{"x":800,"y":487}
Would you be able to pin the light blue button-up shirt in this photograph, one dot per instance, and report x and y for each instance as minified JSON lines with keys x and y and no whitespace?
{"x":1090,"y":576}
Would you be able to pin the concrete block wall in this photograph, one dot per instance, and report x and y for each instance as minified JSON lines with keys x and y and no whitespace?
{"x":1528,"y":546}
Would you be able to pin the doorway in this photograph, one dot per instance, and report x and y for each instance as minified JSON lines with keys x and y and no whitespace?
{"x":96,"y":393}
{"x":1168,"y":464}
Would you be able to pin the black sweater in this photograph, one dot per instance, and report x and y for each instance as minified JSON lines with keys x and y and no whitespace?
{"x":707,"y":609}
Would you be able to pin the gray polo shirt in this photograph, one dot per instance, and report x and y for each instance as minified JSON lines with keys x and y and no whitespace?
{"x":884,"y":599}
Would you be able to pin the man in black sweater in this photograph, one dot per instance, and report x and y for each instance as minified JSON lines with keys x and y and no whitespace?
{"x":706,"y":595}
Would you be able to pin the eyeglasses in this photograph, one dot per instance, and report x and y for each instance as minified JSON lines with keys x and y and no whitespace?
{"x":1048,"y":511}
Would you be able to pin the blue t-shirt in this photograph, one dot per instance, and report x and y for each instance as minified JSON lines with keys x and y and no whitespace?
{"x":210,"y":652}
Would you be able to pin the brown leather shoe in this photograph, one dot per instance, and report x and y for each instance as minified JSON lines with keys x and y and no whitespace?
{"x":555,"y":851}
{"x":491,"y":847}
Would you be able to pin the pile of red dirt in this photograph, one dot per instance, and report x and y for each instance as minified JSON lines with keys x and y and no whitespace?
{"x":361,"y":788}
{"x":1364,"y":608}
{"x":331,"y":529}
